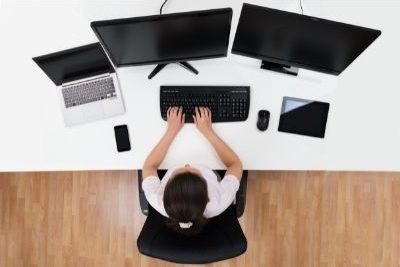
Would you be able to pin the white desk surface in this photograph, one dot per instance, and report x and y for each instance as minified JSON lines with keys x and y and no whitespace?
{"x":363,"y":130}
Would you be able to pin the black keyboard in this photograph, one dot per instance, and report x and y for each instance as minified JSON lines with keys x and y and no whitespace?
{"x":227,"y":103}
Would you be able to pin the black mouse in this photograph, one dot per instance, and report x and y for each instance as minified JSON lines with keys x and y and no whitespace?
{"x":263,"y":120}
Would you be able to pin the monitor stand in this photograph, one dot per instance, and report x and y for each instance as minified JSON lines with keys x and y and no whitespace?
{"x":279,"y":68}
{"x":184,"y":64}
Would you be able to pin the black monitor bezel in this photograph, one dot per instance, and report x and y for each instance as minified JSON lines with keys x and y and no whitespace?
{"x":95,"y":24}
{"x":293,"y":63}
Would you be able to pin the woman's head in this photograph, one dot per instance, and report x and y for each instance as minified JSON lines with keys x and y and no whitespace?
{"x":185,"y":199}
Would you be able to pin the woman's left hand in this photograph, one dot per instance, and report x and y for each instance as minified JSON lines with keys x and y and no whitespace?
{"x":176,"y":119}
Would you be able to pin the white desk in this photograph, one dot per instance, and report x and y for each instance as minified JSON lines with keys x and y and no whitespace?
{"x":363,"y":130}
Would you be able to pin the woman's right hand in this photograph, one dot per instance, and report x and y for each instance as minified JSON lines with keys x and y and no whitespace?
{"x":175,"y":119}
{"x":203,"y":120}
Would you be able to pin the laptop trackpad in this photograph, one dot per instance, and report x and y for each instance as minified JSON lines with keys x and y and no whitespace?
{"x":93,"y":111}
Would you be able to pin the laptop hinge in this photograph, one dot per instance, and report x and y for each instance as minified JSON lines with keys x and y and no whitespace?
{"x":87,"y":79}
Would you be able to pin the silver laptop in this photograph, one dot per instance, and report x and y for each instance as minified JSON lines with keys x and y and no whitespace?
{"x":87,"y":83}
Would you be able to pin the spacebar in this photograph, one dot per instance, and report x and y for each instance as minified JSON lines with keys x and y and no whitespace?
{"x":189,"y":118}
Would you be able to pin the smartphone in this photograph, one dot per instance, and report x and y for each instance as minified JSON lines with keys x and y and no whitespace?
{"x":122,"y":138}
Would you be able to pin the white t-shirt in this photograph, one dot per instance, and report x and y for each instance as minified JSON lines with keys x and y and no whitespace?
{"x":220,"y":193}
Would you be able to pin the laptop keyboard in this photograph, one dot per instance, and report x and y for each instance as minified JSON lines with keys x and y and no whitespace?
{"x":87,"y":92}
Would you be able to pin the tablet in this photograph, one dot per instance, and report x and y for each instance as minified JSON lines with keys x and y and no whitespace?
{"x":302,"y":116}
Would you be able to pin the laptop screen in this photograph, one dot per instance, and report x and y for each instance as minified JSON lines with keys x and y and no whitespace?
{"x":73,"y":64}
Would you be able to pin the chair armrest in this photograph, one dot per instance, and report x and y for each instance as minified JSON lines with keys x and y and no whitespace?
{"x":144,"y":205}
{"x":241,"y":195}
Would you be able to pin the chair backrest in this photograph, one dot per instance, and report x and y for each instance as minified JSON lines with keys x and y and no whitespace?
{"x":222,"y":237}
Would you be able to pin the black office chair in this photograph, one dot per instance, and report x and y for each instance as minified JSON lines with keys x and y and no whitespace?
{"x":222,"y":238}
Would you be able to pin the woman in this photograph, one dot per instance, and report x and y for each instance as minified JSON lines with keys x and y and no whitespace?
{"x":189,"y":195}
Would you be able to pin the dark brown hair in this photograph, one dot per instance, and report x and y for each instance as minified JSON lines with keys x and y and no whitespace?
{"x":185,"y":199}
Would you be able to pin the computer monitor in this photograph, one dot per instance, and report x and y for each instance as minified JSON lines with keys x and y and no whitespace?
{"x":164,"y":39}
{"x":286,"y":41}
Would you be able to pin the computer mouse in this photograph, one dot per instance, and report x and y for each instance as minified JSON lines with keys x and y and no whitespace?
{"x":263,"y":120}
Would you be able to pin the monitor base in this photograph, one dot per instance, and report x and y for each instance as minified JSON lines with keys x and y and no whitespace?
{"x":184,"y":64}
{"x":266,"y":65}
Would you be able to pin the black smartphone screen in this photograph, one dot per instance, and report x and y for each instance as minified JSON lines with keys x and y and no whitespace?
{"x":122,"y":138}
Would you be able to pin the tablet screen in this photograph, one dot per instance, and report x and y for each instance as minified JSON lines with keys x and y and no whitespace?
{"x":302,"y":116}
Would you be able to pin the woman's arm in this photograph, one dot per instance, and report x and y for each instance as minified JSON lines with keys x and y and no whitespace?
{"x":176,"y":121}
{"x":226,"y":154}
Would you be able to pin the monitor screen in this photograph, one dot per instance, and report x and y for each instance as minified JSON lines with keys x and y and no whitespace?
{"x":166,"y":38}
{"x":302,"y":116}
{"x":73,"y":64}
{"x":298,"y":40}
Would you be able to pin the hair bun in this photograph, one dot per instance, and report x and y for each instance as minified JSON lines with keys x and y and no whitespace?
{"x":186,"y":225}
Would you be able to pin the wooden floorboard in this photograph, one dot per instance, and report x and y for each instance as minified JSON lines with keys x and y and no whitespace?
{"x":291,"y":219}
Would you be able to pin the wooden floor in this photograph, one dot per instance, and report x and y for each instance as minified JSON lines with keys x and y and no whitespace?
{"x":291,"y":219}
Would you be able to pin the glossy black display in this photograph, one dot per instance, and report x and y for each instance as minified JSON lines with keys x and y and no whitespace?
{"x":122,"y":138}
{"x":73,"y":64}
{"x":305,"y":117}
{"x":298,"y":40}
{"x":166,"y":38}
